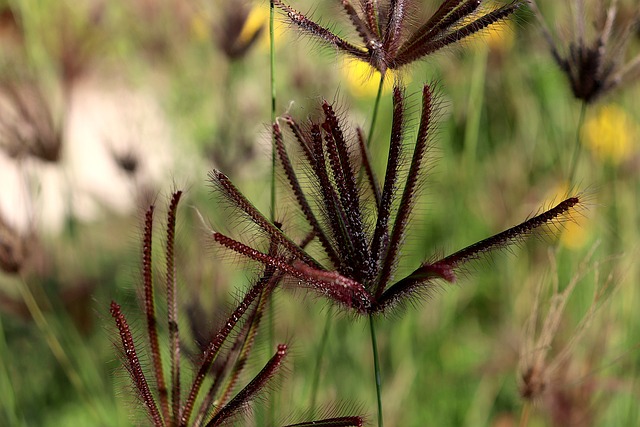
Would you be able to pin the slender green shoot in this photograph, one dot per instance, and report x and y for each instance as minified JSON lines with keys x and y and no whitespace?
{"x":376,"y":368}
{"x":9,"y":404}
{"x":526,"y":413}
{"x":578,"y":146}
{"x":318,"y":367}
{"x":272,"y":68}
{"x":376,"y":106}
{"x":56,"y":347}
{"x":475,"y":107}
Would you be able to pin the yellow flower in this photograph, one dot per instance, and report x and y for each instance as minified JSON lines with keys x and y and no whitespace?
{"x":200,"y":28}
{"x":499,"y":37}
{"x":259,"y":17}
{"x":576,"y":230}
{"x":363,"y":80}
{"x":609,"y":134}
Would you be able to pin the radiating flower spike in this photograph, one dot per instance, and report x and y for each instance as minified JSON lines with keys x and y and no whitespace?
{"x":386,"y":39}
{"x":363,"y":249}
{"x":223,"y":359}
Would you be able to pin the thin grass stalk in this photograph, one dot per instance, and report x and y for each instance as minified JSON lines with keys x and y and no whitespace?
{"x":374,"y":116}
{"x":318,"y":365}
{"x":272,"y":68}
{"x":577,"y":150}
{"x":10,"y":409}
{"x":474,"y":108}
{"x":272,"y":72}
{"x":526,"y":413}
{"x":55,"y":346}
{"x":376,"y":369}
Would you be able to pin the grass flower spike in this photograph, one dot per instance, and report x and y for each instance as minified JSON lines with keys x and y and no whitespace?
{"x":386,"y":39}
{"x":360,"y":225}
{"x":222,"y":361}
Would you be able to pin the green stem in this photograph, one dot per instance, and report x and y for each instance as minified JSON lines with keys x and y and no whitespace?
{"x":578,"y":146}
{"x":10,"y":408}
{"x":376,"y":106}
{"x":525,"y":414}
{"x":474,"y":108}
{"x":376,"y":368}
{"x":272,"y":68}
{"x":318,"y":367}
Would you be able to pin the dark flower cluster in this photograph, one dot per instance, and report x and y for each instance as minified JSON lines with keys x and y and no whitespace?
{"x":595,"y":65}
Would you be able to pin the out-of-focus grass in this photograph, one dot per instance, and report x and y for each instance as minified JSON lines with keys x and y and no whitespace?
{"x":502,"y":150}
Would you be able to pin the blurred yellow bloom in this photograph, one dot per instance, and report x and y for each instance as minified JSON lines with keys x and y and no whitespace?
{"x":259,"y":16}
{"x":363,"y":80}
{"x":200,"y":28}
{"x":576,"y":230}
{"x":610,"y":133}
{"x":499,"y":37}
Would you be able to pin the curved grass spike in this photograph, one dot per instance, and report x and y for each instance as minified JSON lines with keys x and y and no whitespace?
{"x":257,"y":383}
{"x":133,"y":365}
{"x":368,"y":170}
{"x":409,"y":193}
{"x":239,"y":352}
{"x":363,"y":280}
{"x":299,"y":194}
{"x":214,"y":347}
{"x":381,"y":233}
{"x":427,"y":48}
{"x":149,"y":308}
{"x":172,"y":305}
{"x":237,"y":199}
{"x":445,"y":268}
{"x":332,"y":422}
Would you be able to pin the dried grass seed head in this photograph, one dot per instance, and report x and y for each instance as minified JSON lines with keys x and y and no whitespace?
{"x":595,"y":55}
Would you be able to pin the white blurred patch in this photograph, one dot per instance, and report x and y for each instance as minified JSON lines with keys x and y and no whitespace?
{"x":103,"y":121}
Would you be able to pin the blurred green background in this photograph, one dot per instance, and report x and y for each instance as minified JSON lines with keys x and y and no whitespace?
{"x":139,"y":98}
